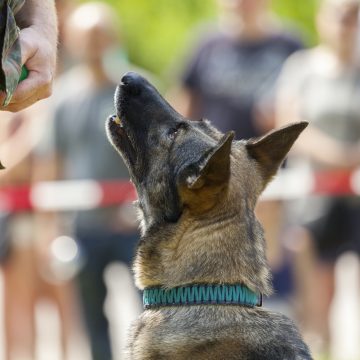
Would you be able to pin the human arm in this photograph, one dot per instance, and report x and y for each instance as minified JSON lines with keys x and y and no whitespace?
{"x":314,"y":143}
{"x":184,"y":100}
{"x":38,"y":42}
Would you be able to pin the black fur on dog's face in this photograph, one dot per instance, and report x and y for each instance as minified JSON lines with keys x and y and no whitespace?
{"x":176,"y":163}
{"x":161,"y":148}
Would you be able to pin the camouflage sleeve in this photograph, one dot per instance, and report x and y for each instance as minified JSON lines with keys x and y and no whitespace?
{"x":10,"y":52}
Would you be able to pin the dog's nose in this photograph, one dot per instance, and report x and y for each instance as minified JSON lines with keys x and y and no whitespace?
{"x":132,"y":82}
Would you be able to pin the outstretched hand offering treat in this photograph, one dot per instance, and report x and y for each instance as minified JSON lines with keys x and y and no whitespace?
{"x":28,"y":41}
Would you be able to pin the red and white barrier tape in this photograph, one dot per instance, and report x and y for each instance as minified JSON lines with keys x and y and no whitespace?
{"x":66,"y":195}
{"x":296,"y":183}
{"x":89,"y":194}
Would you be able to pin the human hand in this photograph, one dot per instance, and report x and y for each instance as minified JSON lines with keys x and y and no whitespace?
{"x":353,"y":156}
{"x":39,"y":56}
{"x":264,"y":117}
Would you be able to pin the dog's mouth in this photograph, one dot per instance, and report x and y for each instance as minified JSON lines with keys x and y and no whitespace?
{"x":139,"y":108}
{"x":121,"y":139}
{"x":116,"y":120}
{"x":126,"y":129}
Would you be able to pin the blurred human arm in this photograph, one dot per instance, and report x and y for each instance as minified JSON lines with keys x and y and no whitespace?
{"x":264,"y":116}
{"x":38,"y":42}
{"x":313,"y":143}
{"x":184,"y":100}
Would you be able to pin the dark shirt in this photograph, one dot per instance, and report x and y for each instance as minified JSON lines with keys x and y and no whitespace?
{"x":80,"y":140}
{"x":230,"y":77}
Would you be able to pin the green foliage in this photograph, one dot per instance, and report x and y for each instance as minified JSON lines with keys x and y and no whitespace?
{"x":301,"y":14}
{"x":157,"y":31}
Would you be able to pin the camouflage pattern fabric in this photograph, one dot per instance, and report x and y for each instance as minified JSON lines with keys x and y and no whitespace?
{"x":10,"y":66}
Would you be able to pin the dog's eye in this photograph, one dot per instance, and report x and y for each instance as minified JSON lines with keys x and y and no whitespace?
{"x":174,"y":131}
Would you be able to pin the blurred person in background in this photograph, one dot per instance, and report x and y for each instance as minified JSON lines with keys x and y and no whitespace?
{"x":20,"y":260}
{"x":230,"y":80}
{"x":322,"y":86}
{"x":78,"y":149}
{"x":26,"y":281}
{"x":17,"y":246}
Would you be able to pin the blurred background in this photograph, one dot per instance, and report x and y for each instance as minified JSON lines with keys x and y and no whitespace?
{"x":67,"y":224}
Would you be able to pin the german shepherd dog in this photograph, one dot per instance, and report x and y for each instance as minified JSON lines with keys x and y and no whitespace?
{"x":201,"y":257}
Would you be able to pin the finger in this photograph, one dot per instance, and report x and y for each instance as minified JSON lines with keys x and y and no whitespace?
{"x":18,"y":104}
{"x":29,"y":91}
{"x":15,"y":107}
{"x":35,"y":85}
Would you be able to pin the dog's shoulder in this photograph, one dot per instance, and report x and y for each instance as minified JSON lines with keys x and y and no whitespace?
{"x":218,"y":333}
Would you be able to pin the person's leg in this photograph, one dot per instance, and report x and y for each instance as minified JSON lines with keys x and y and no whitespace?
{"x":19,"y":303}
{"x":314,"y":282}
{"x":319,"y":245}
{"x":125,"y":301}
{"x":92,"y":291}
{"x":64,"y":297}
{"x":323,"y":295}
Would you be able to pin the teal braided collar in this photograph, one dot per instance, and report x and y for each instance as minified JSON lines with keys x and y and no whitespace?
{"x":201,"y":295}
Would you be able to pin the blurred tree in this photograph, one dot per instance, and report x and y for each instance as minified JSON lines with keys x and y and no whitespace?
{"x":157,"y":31}
{"x":299,"y":13}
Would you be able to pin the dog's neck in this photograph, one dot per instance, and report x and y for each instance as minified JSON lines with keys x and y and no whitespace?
{"x":224,"y":246}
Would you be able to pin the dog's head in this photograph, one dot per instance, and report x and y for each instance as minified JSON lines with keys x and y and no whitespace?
{"x":176,"y":163}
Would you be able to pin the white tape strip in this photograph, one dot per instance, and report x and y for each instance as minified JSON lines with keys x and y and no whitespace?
{"x":66,"y":195}
{"x":289,"y":185}
{"x":355,"y":181}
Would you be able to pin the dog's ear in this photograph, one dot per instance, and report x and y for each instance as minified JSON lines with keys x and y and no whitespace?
{"x":200,"y":182}
{"x":214,"y":167}
{"x":270,"y":150}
